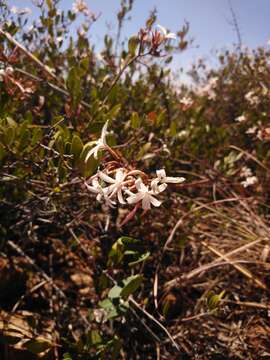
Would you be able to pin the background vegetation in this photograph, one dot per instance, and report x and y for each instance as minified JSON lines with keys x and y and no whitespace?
{"x":186,"y":280}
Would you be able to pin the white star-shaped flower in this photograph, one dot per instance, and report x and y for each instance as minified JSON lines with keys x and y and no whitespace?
{"x":144,"y":195}
{"x":96,"y":188}
{"x":159,"y":184}
{"x":116,"y":186}
{"x":165,"y":33}
{"x":101,"y":143}
{"x":161,"y":175}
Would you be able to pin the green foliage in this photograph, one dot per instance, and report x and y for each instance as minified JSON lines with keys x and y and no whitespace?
{"x":213,"y":300}
{"x":127,"y":250}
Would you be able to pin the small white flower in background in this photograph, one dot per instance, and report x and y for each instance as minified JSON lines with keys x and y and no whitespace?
{"x":166,"y":34}
{"x":101,"y":143}
{"x":18,"y":11}
{"x":249,"y":181}
{"x":252,"y":98}
{"x":59,"y":39}
{"x":30,"y":28}
{"x":79,"y":6}
{"x":245,"y":172}
{"x":259,"y":135}
{"x":7,"y":71}
{"x":187,"y":101}
{"x":252,"y":130}
{"x":117,"y":184}
{"x":81,"y":31}
{"x":241,"y":118}
{"x":213,"y":82}
{"x":144,"y":195}
{"x":208,"y":89}
{"x":182,"y":134}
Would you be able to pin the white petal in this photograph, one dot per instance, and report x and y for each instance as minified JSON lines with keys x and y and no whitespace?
{"x":104,"y":132}
{"x":133,"y":199}
{"x":154,"y":185}
{"x":128,"y":192}
{"x":120,"y":197}
{"x":90,"y":153}
{"x":119,"y":176}
{"x":99,"y":197}
{"x":146,"y":202}
{"x":170,"y":36}
{"x":92,"y":188}
{"x":154,"y":201}
{"x":110,"y":190}
{"x":140,"y":185}
{"x":162,"y":28}
{"x":97,"y":148}
{"x":106,"y":178}
{"x":161,"y":173}
{"x":162,"y":187}
{"x":174,"y":180}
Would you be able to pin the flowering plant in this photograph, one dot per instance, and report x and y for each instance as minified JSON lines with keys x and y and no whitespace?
{"x":125,"y":184}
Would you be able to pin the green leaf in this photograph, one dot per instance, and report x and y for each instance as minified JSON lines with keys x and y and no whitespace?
{"x":2,"y":152}
{"x":115,"y":292}
{"x":88,"y":168}
{"x":76,"y":146}
{"x":135,"y":120}
{"x":116,"y":254}
{"x":140,"y":259}
{"x":109,"y":307}
{"x":36,"y":135}
{"x":11,"y":122}
{"x":126,"y":240}
{"x":10,"y":340}
{"x":213,"y":300}
{"x":160,"y":117}
{"x":84,"y":65}
{"x":131,"y":284}
{"x":95,"y":337}
{"x":143,"y":150}
{"x":114,"y":112}
{"x":133,"y":43}
{"x":67,"y":356}
{"x":37,"y":346}
{"x":9,"y":136}
{"x":74,"y":84}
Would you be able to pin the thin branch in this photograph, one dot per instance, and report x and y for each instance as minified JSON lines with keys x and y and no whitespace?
{"x":235,"y":25}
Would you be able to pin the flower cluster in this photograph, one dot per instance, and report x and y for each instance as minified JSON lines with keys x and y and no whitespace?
{"x":250,"y":179}
{"x":125,"y":185}
{"x":80,"y":6}
{"x":209,"y":89}
{"x":156,"y":38}
{"x":252,"y":98}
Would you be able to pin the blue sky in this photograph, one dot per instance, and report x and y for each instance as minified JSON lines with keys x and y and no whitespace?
{"x":210,"y":22}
